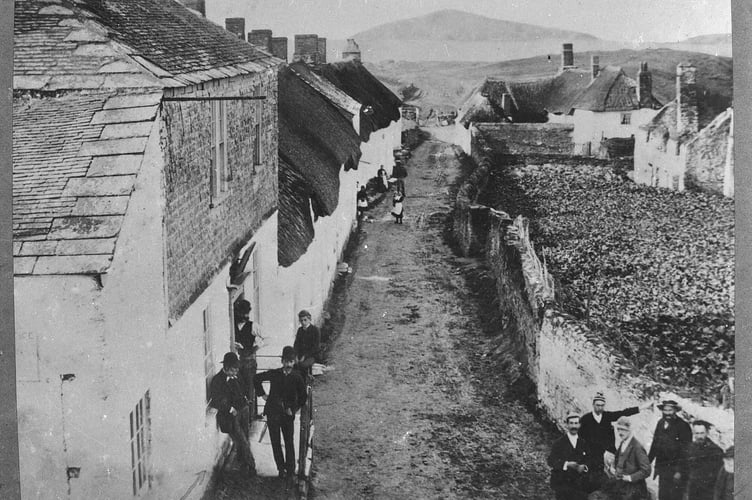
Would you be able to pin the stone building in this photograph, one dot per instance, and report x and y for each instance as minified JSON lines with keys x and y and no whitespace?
{"x":672,"y":151}
{"x":611,"y":108}
{"x":145,"y":203}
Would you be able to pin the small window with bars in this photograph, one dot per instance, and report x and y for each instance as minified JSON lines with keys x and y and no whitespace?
{"x":626,"y":118}
{"x":140,"y":442}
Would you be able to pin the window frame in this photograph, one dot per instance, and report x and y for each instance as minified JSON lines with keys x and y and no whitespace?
{"x":140,"y":445}
{"x":626,"y":119}
{"x":220,"y":168}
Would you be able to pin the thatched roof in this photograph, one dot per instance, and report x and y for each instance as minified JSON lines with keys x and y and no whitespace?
{"x":315,"y":141}
{"x":357,"y":82}
{"x":612,"y":90}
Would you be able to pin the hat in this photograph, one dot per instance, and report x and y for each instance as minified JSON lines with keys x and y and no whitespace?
{"x":669,"y":402}
{"x":304,"y":314}
{"x":729,"y":453}
{"x":230,"y":360}
{"x":599,"y":397}
{"x":623,"y":423}
{"x":703,"y":423}
{"x":242,"y":307}
{"x":571,"y":414}
{"x":288,"y":353}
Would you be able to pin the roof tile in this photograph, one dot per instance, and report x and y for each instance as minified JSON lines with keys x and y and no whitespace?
{"x":45,"y":247}
{"x":71,"y":228}
{"x":91,"y":246}
{"x":124,"y":115}
{"x":23,"y":265}
{"x":133,"y":100}
{"x":100,"y":186}
{"x":73,"y":264}
{"x":105,"y":205}
{"x":108,"y":147}
{"x":114,"y":165}
{"x":122,"y":130}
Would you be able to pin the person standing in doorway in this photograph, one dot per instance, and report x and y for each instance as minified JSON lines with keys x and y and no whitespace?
{"x":228,"y":396}
{"x":307,"y":343}
{"x":245,"y":343}
{"x":704,"y":460}
{"x":669,"y":450}
{"x":571,"y":462}
{"x":287,"y":394}
{"x":383,"y":180}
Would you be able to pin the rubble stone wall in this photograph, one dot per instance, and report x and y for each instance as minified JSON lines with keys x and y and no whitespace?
{"x":530,"y":138}
{"x":201,"y":236}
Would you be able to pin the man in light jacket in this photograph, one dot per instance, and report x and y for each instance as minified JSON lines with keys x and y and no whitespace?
{"x":631,"y":466}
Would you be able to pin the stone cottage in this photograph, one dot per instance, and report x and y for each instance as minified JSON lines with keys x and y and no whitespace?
{"x":610,"y":108}
{"x":145,"y":203}
{"x":672,"y":151}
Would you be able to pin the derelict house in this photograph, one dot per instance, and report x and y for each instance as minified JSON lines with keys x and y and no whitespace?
{"x":141,"y":171}
{"x":684,"y":146}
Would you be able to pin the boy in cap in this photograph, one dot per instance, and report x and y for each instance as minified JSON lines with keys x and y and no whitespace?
{"x":669,"y":450}
{"x":596,"y":427}
{"x":287,"y":393}
{"x":228,"y":395}
{"x":724,"y":483}
{"x":571,"y":463}
{"x":307,"y":343}
{"x":704,"y":459}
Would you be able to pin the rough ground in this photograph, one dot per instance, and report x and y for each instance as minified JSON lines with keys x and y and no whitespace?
{"x":414,"y":408}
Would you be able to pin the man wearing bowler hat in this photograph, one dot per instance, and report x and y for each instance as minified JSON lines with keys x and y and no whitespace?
{"x":245,"y":343}
{"x":228,"y":396}
{"x":287,"y":393}
{"x":669,"y":450}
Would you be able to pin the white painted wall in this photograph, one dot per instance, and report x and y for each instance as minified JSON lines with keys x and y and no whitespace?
{"x":658,"y":167}
{"x":592,"y":126}
{"x":379,"y":150}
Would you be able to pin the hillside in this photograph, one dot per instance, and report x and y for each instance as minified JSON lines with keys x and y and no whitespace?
{"x":446,"y":85}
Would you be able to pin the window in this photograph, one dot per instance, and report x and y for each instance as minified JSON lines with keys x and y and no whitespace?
{"x":140,"y":445}
{"x":256,"y":145}
{"x":626,"y":118}
{"x":220,"y":174}
{"x":208,"y":351}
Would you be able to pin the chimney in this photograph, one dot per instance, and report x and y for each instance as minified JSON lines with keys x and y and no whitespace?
{"x":197,"y":5}
{"x":261,"y":38}
{"x":506,"y":104}
{"x":306,"y":49}
{"x":279,"y":47}
{"x":236,"y":26}
{"x":595,"y":65}
{"x":567,"y":56}
{"x":686,"y":99}
{"x":322,"y":50}
{"x":644,"y":86}
{"x":352,"y":51}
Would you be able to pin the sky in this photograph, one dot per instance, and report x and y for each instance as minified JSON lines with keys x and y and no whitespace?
{"x":620,"y":20}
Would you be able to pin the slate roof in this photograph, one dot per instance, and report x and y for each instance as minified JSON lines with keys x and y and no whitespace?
{"x":315,"y":140}
{"x":102,"y":44}
{"x":75,"y":160}
{"x":611,"y":90}
{"x":357,"y":82}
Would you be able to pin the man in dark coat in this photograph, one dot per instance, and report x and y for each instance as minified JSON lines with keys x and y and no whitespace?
{"x":704,"y":460}
{"x":287,"y":394}
{"x":228,"y":396}
{"x":597,"y":428}
{"x":307,"y":342}
{"x":669,"y":450}
{"x":630,"y":469}
{"x":571,"y":463}
{"x":724,"y":483}
{"x":245,"y":343}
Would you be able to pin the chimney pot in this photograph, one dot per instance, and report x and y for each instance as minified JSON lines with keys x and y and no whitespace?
{"x":236,"y":26}
{"x":686,"y":96}
{"x":352,"y":51}
{"x":644,"y":86}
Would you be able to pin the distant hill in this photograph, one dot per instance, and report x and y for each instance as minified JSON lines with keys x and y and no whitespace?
{"x":451,"y":35}
{"x":709,"y":39}
{"x":446,"y":85}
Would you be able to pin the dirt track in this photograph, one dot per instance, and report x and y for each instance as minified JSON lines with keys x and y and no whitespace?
{"x":413,"y":407}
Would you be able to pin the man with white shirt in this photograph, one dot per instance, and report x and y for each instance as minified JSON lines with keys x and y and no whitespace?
{"x":571,"y":462}
{"x":630,"y":468}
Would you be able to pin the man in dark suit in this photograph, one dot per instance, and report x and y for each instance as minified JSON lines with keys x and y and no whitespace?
{"x":287,"y":394}
{"x":307,"y":343}
{"x":228,"y":396}
{"x":669,"y":450}
{"x":245,"y":343}
{"x":704,"y":460}
{"x":597,"y":428}
{"x":630,"y":468}
{"x":571,"y":463}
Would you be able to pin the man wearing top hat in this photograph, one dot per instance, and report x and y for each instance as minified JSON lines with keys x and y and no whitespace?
{"x":669,"y":450}
{"x":704,"y":460}
{"x":287,"y":394}
{"x":596,"y":427}
{"x":228,"y":395}
{"x":627,"y":474}
{"x":571,"y":463}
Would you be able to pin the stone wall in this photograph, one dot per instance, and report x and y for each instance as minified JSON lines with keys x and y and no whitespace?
{"x":567,"y":362}
{"x":707,"y":156}
{"x":530,"y":138}
{"x":202,"y":233}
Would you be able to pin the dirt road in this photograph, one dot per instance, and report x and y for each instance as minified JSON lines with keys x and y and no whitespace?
{"x":413,"y":407}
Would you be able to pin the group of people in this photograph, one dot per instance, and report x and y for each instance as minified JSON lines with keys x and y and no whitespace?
{"x":587,"y":464}
{"x":234,"y":389}
{"x":398,"y":198}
